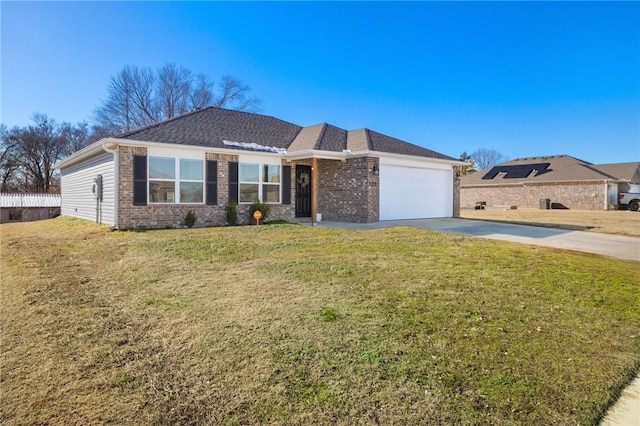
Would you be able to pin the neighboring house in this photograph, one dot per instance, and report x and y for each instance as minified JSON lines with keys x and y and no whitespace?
{"x":564,"y":180}
{"x":28,"y":207}
{"x":208,"y":158}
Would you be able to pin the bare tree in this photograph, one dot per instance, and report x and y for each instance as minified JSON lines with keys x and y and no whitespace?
{"x":30,"y":152}
{"x":485,"y":158}
{"x":130,"y":101}
{"x":471,"y":168}
{"x":9,"y":163}
{"x":202,"y":93}
{"x":234,"y":94}
{"x":40,"y":146}
{"x":138,"y":97}
{"x":75,"y":136}
{"x":174,"y":87}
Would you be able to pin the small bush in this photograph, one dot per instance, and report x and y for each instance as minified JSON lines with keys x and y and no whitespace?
{"x":232,"y":214}
{"x":190,"y":219}
{"x":258,"y":206}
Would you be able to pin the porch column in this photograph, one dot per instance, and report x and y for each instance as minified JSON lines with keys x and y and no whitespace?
{"x":314,"y":190}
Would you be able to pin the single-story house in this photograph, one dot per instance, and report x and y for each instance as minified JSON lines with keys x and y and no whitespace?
{"x":567,"y":182}
{"x":205,"y":159}
{"x":28,"y":207}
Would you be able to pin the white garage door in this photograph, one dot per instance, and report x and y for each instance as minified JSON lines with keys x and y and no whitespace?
{"x":414,"y":193}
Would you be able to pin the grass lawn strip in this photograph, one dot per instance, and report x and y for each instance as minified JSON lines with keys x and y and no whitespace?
{"x":617,"y":222}
{"x":290,"y":324}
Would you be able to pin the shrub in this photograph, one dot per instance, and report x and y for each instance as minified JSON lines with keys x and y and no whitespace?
{"x":190,"y":219}
{"x":232,"y":214}
{"x":258,"y":206}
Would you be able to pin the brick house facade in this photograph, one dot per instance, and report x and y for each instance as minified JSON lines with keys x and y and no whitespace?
{"x":346,"y":170}
{"x":569,"y":183}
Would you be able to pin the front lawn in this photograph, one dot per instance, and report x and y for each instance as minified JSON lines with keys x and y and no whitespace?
{"x":620,"y":222}
{"x":287,"y":324}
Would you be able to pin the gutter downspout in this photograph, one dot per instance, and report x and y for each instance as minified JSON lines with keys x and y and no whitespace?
{"x":606,"y":194}
{"x":116,"y":182}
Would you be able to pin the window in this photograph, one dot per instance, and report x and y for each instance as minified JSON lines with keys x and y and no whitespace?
{"x":191,"y":181}
{"x":271,"y":184}
{"x":166,"y":173}
{"x":259,"y":182}
{"x":249,"y":179}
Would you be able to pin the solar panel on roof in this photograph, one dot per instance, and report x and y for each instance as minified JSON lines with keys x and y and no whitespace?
{"x":491,"y":173}
{"x":517,"y":171}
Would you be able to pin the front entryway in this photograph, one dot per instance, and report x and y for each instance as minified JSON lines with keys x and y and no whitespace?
{"x":303,"y":191}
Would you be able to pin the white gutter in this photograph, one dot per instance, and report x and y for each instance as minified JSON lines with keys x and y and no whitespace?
{"x":116,"y":181}
{"x":77,"y":156}
{"x":296,"y":155}
{"x":344,"y":155}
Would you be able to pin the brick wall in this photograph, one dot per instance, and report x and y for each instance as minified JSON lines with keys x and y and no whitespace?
{"x":348,"y":191}
{"x":172,"y":215}
{"x":571,"y":195}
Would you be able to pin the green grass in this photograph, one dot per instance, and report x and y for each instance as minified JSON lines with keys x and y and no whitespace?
{"x":287,"y":324}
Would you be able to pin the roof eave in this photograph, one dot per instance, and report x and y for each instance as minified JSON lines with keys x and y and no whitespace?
{"x":84,"y":153}
{"x":345,"y":154}
{"x":544,"y":182}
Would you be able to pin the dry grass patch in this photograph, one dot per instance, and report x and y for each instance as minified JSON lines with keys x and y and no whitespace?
{"x":620,"y":222}
{"x":301,"y":325}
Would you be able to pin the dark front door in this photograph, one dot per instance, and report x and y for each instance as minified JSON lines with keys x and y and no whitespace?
{"x":303,"y":191}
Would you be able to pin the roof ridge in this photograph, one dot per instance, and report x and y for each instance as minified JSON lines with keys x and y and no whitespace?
{"x":592,"y":168}
{"x":367,"y":137}
{"x":158,"y":123}
{"x":200,"y":110}
{"x":547,"y":157}
{"x":321,"y":135}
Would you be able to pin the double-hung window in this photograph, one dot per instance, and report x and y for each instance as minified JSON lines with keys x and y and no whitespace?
{"x":259,"y":182}
{"x":191,"y":181}
{"x":173,"y":180}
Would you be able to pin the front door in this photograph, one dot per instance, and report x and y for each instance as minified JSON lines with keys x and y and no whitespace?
{"x":303,"y":191}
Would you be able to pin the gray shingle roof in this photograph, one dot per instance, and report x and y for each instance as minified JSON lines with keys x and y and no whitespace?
{"x":562,"y":168}
{"x":384,"y":143}
{"x":625,"y":171}
{"x":209,"y":127}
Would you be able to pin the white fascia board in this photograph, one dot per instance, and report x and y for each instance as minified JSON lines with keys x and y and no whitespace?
{"x":390,"y":155}
{"x":314,"y":153}
{"x":78,"y":156}
{"x":133,"y":142}
{"x":343,"y":155}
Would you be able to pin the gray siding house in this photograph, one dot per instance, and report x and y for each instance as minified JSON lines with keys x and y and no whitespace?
{"x":205,"y":159}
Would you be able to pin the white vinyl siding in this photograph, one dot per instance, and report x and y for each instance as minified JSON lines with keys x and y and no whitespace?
{"x":76,"y":188}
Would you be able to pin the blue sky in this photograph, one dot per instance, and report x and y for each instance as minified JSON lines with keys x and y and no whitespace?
{"x":524,"y":78}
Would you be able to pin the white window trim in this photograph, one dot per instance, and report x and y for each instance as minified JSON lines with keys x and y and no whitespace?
{"x":260,"y":181}
{"x":176,"y":181}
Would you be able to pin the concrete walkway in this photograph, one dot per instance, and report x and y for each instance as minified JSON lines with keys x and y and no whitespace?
{"x":626,"y":411}
{"x":591,"y":242}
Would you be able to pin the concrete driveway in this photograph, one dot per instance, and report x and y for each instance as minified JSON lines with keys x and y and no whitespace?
{"x":608,"y":245}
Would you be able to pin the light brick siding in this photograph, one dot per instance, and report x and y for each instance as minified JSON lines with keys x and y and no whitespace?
{"x":348,"y":190}
{"x":570,"y":195}
{"x":172,"y":215}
